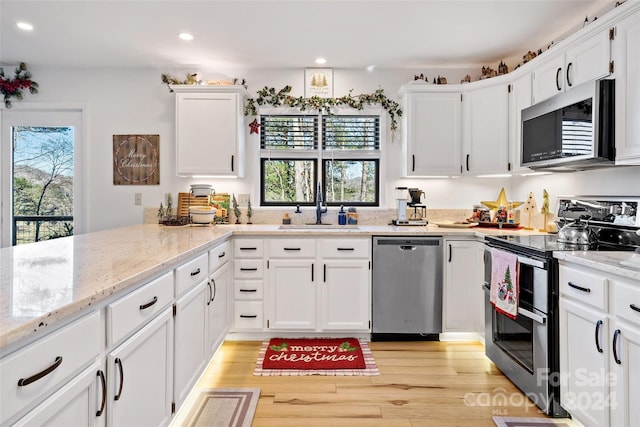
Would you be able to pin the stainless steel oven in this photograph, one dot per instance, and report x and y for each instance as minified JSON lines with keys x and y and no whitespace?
{"x":524,"y":348}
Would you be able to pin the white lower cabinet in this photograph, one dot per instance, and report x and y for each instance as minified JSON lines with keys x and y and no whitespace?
{"x":217,"y":308}
{"x":81,"y":402}
{"x":625,"y":354}
{"x":345,"y":295}
{"x":584,"y":353}
{"x":140,"y":376}
{"x":463,"y":295}
{"x":319,"y":284}
{"x":599,"y":347}
{"x":292,"y":286}
{"x":191,"y":352}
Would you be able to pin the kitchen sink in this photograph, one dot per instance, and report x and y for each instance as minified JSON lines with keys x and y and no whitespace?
{"x":317,"y":227}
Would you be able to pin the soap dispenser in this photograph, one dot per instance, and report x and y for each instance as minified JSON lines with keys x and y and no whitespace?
{"x":342,"y":216}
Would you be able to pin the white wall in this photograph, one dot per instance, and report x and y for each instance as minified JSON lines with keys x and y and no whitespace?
{"x":134,"y":101}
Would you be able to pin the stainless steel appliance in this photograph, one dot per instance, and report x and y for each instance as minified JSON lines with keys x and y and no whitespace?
{"x":526,"y":348}
{"x":407,"y":288}
{"x":572,"y":130}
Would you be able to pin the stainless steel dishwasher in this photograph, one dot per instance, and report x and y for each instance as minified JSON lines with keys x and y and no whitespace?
{"x":407,"y":288}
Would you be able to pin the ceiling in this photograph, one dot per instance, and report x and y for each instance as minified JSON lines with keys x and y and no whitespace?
{"x":350,"y":34}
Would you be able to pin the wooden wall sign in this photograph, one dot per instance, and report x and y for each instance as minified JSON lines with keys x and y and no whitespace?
{"x":136,"y":159}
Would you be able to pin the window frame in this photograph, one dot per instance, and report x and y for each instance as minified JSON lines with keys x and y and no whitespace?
{"x":319,"y":155}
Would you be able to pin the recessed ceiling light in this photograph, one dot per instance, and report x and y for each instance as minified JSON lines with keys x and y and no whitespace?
{"x":371,"y":67}
{"x":321,"y":61}
{"x":185,"y":36}
{"x":24,"y":26}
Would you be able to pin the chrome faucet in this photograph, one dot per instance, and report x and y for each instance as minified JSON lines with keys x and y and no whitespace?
{"x":319,"y":209}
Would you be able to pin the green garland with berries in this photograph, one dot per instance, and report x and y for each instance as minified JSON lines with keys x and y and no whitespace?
{"x":13,"y":87}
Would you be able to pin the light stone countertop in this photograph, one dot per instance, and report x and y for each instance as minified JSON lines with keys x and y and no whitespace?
{"x":43,"y":285}
{"x":625,"y":264}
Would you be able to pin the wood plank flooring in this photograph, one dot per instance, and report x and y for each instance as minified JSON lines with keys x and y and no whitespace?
{"x":421,"y":384}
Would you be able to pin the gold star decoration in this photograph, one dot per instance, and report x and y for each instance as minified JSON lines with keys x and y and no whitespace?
{"x":502,"y":201}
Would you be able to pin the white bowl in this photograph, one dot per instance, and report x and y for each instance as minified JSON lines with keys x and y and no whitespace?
{"x":201,"y":190}
{"x":202,"y":215}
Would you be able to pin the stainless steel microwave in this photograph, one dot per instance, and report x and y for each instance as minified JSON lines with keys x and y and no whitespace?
{"x":572,"y":130}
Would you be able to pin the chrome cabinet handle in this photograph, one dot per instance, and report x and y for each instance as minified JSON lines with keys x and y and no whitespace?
{"x":33,"y":378}
{"x":598,"y":325}
{"x":103,"y":381}
{"x":119,"y":363}
{"x":149,"y":304}
{"x":616,"y":334}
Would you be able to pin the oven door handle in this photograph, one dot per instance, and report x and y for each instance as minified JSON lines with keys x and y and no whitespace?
{"x":531,"y":262}
{"x":531,"y":315}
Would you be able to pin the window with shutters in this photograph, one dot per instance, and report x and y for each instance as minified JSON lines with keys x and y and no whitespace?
{"x":340,"y":151}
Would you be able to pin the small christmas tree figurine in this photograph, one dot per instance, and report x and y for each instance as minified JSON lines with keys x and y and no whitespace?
{"x":545,"y":209}
{"x":529,"y":207}
{"x":249,"y":211}
{"x":236,"y":211}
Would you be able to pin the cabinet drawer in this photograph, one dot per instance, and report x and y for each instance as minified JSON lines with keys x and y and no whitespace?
{"x":131,"y":311}
{"x":248,"y":248}
{"x":248,"y":315}
{"x":248,"y":268}
{"x":345,"y":248}
{"x":626,"y":300}
{"x":191,"y":273}
{"x":61,"y":354}
{"x":590,"y":288}
{"x":292,"y":248}
{"x":219,"y":256}
{"x":248,"y":289}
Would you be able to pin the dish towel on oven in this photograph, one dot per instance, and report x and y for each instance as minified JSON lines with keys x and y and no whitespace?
{"x":504,"y":282}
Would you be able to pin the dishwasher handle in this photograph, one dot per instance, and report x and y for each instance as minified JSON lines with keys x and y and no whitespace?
{"x":407,"y":247}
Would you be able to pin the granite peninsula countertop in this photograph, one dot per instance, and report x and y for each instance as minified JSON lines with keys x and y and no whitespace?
{"x":625,"y":264}
{"x":44,"y":284}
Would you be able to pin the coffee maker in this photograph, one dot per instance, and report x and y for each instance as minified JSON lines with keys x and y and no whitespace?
{"x":404,"y":206}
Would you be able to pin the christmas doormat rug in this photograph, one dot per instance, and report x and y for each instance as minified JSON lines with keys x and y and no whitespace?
{"x":315,"y":356}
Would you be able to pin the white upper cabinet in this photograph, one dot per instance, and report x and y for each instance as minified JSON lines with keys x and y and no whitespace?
{"x":627,"y":72}
{"x":486,"y":130}
{"x":210,"y":131}
{"x":579,"y":63}
{"x":519,"y":99}
{"x":431,"y":141}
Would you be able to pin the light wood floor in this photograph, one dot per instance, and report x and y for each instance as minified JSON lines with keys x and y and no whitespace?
{"x":420,"y":384}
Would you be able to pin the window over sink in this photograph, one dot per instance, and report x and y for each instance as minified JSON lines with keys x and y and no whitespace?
{"x":341,"y":150}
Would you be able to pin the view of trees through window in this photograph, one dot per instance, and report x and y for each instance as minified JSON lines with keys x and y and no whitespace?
{"x":345,"y":148}
{"x":42,"y":183}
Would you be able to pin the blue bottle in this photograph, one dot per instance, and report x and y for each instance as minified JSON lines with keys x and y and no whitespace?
{"x":342,"y":216}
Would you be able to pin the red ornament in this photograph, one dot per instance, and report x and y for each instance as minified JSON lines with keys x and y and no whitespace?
{"x":255,"y":126}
